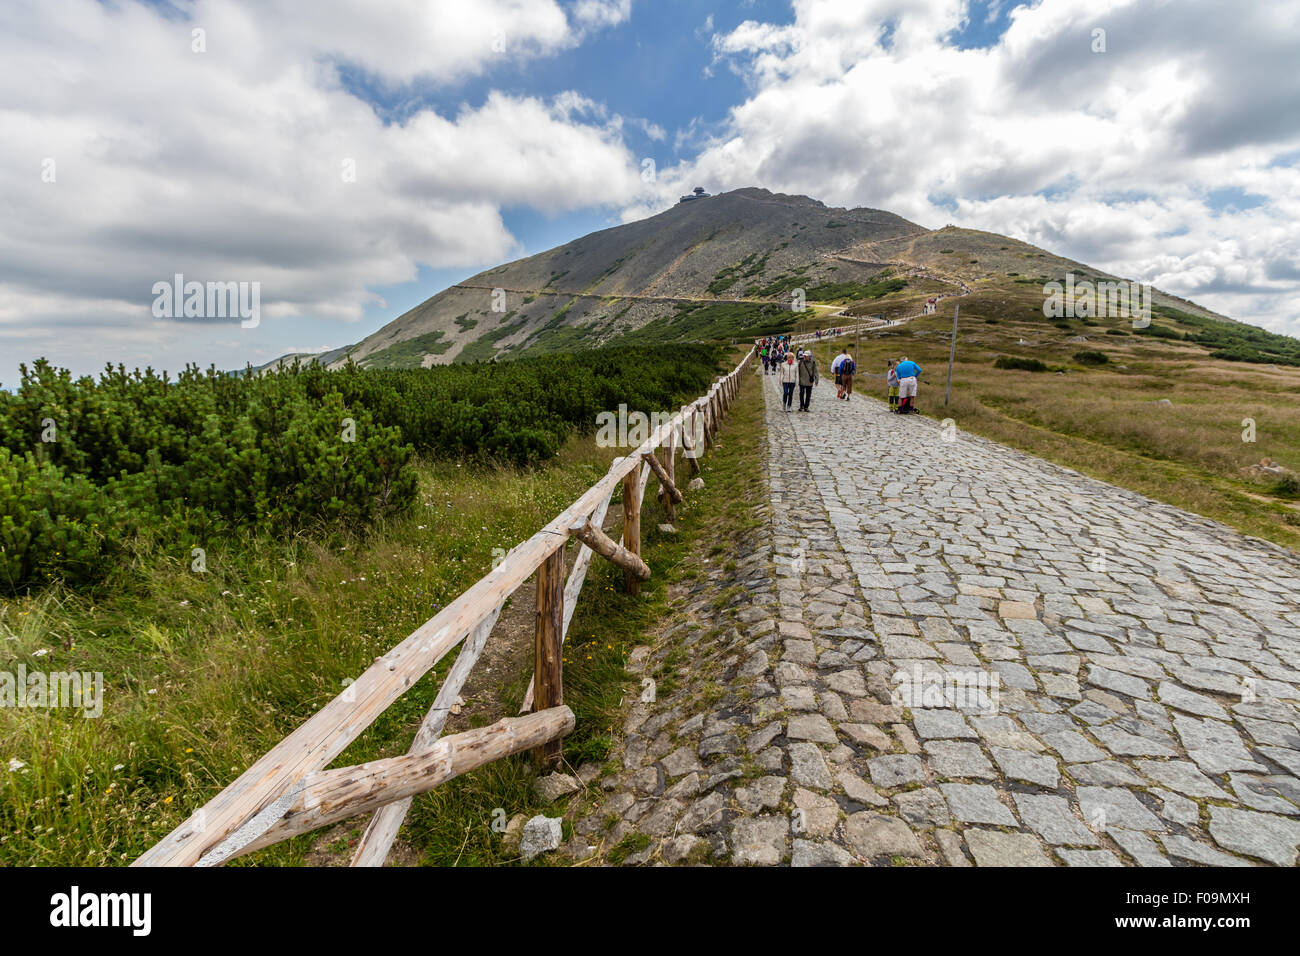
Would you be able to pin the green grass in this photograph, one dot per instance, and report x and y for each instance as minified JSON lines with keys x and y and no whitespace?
{"x":712,"y":322}
{"x":205,"y":672}
{"x":853,"y":291}
{"x":1233,"y":341}
{"x":746,"y":268}
{"x":484,"y":347}
{"x":408,"y":353}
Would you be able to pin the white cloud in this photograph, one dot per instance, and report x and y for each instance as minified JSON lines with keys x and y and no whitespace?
{"x":229,"y":164}
{"x":1105,"y":157}
{"x":601,"y":13}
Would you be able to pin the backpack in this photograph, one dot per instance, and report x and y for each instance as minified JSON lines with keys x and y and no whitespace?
{"x":848,"y":367}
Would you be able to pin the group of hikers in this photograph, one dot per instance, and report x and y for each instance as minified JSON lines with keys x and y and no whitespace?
{"x":792,"y":367}
{"x":902,"y":377}
{"x":797,"y":366}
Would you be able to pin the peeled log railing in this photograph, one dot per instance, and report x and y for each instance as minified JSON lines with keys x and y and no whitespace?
{"x":289,"y":792}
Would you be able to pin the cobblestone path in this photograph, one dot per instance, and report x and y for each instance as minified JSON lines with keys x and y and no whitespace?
{"x":959,"y":654}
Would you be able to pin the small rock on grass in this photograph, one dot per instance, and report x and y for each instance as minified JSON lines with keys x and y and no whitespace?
{"x":553,"y":786}
{"x":541,"y":834}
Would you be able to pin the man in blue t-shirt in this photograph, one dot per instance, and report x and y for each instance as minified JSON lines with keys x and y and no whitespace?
{"x":908,"y":372}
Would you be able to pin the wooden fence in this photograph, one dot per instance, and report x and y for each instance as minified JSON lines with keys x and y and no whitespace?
{"x":288,"y":791}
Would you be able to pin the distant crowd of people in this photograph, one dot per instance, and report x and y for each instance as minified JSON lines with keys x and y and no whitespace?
{"x":797,"y":366}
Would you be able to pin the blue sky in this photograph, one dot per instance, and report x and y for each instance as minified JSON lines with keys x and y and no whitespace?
{"x":484,"y":130}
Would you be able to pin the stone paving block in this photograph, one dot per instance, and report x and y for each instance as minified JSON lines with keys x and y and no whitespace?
{"x":976,"y":803}
{"x":808,"y":766}
{"x":1073,"y":746}
{"x":867,"y":736}
{"x":813,"y":727}
{"x":1088,"y":858}
{"x":759,"y":840}
{"x":1141,"y":847}
{"x":956,"y":759}
{"x":1180,"y":698}
{"x":922,"y":808}
{"x":1107,"y":808}
{"x":872,"y":835}
{"x":994,"y":848}
{"x":1213,"y":745}
{"x":1029,"y":767}
{"x":933,"y":723}
{"x":895,"y":770}
{"x":1051,"y":818}
{"x":810,"y":853}
{"x":1262,"y":835}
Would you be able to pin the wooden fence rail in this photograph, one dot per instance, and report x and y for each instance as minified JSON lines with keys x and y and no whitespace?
{"x":288,"y":791}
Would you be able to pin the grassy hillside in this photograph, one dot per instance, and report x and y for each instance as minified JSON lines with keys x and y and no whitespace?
{"x":748,"y":245}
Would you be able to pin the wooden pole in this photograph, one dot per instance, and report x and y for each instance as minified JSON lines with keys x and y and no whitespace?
{"x":692,"y":445}
{"x":611,"y":550}
{"x":572,"y":588}
{"x":669,"y":488}
{"x":952,"y":353}
{"x":632,"y":526}
{"x":670,"y":467}
{"x":548,"y":663}
{"x":333,"y":795}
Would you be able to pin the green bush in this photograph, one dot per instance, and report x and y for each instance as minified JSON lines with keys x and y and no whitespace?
{"x":1091,"y":357}
{"x":1288,"y":486}
{"x":51,"y":524}
{"x":87,"y":460}
{"x":1160,"y":332}
{"x":1236,"y":341}
{"x":1019,"y":364}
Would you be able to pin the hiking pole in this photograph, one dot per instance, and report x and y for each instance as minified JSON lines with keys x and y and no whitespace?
{"x":952,"y":353}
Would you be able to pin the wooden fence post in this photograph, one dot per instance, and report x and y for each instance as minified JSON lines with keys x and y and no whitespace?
{"x":632,"y":524}
{"x":548,"y":662}
{"x":670,"y":467}
{"x":693,"y":459}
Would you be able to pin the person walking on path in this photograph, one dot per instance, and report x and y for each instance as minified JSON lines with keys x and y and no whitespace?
{"x":835,"y":369}
{"x":807,"y":379}
{"x":891,"y":376}
{"x":908,"y":372}
{"x":789,"y":372}
{"x":847,"y":368}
